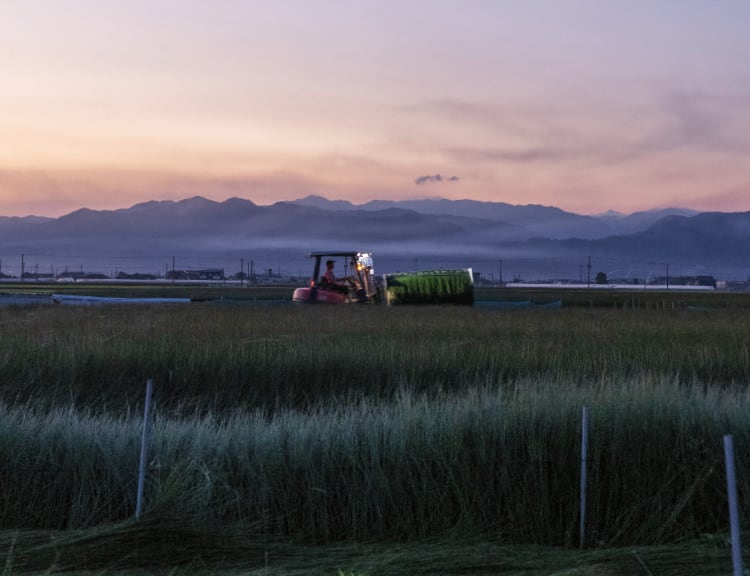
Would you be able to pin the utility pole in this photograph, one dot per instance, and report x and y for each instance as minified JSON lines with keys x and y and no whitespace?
{"x":588,"y":273}
{"x":242,"y":271}
{"x":667,"y":276}
{"x":501,"y":272}
{"x":173,"y":274}
{"x":22,"y":266}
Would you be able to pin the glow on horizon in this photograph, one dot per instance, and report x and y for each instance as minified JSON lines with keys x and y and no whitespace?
{"x":624,"y":105}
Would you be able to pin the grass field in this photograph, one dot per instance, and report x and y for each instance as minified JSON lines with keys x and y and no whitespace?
{"x":372,"y":438}
{"x":227,"y":292}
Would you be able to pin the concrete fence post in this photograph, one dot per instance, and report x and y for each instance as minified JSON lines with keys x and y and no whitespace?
{"x":144,"y":448}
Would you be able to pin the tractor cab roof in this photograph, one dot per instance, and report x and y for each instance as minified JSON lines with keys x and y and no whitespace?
{"x":333,"y":253}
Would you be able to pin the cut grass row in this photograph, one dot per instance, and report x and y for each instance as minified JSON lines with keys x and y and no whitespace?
{"x":159,"y":547}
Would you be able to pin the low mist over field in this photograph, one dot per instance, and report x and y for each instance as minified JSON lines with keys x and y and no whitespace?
{"x":496,"y":239}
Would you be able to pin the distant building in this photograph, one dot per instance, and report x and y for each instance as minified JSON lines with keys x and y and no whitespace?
{"x":136,"y":276}
{"x":44,"y":277}
{"x":73,"y":276}
{"x":702,"y":281}
{"x":734,"y":285}
{"x":205,"y":274}
{"x":686,"y":280}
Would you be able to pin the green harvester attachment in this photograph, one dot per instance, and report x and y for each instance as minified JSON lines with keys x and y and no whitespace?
{"x":433,"y":287}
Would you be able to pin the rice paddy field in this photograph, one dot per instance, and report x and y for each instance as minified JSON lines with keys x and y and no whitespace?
{"x":362,"y":440}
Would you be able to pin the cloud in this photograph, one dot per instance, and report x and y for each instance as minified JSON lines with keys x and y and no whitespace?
{"x":435,"y":178}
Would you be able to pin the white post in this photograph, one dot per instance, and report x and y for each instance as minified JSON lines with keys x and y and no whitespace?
{"x":144,"y":448}
{"x":584,"y":458}
{"x":734,"y":514}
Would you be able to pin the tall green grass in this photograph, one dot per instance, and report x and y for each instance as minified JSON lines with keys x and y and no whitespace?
{"x":214,"y":357}
{"x":322,"y":424}
{"x":499,"y":463}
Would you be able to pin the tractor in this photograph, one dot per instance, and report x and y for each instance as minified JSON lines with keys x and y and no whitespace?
{"x":358,"y":285}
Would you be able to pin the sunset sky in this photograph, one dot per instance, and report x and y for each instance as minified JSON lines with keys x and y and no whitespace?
{"x":585,"y":105}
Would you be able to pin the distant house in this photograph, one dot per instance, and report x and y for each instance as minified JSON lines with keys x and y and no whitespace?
{"x":702,"y":281}
{"x":44,"y":277}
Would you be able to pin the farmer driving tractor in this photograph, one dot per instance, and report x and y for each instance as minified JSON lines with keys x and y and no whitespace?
{"x":329,"y":280}
{"x":324,"y":287}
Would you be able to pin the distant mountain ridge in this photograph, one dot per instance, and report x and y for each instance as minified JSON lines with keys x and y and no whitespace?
{"x":704,"y":240}
{"x":407,"y":229}
{"x":542,"y":221}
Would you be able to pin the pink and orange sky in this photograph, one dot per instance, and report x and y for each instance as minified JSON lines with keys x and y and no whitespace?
{"x":589,"y":106}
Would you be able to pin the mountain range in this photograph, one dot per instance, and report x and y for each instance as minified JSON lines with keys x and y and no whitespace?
{"x":544,"y":239}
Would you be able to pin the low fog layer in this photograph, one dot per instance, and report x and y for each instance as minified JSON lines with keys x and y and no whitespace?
{"x":526,"y":242}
